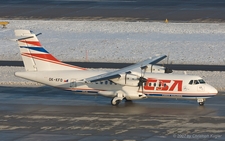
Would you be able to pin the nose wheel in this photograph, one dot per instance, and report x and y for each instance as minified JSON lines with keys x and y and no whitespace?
{"x":201,"y":101}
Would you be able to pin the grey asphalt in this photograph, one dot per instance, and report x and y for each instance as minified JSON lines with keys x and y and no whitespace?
{"x":126,"y":10}
{"x":46,"y":113}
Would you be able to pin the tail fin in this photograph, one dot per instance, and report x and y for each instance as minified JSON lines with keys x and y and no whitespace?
{"x":35,"y":57}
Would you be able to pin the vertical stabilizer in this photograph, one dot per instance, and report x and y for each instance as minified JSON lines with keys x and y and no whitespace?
{"x":35,"y":57}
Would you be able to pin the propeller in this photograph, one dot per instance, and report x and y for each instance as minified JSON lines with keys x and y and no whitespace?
{"x":142,"y":80}
{"x":167,"y":68}
{"x":129,"y":72}
{"x":168,"y":57}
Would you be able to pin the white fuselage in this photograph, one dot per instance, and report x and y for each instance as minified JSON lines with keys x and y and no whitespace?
{"x":158,"y":84}
{"x":136,"y":81}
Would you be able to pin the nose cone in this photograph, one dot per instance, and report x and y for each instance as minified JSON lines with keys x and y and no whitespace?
{"x":211,"y":90}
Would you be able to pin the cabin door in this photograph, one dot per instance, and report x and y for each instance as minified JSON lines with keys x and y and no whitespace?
{"x":73,"y":83}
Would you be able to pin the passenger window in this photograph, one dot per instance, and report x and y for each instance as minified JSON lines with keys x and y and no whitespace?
{"x":106,"y":82}
{"x":150,"y":84}
{"x":191,"y":82}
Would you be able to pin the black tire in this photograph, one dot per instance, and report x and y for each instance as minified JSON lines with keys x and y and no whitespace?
{"x":201,"y":103}
{"x":117,"y":102}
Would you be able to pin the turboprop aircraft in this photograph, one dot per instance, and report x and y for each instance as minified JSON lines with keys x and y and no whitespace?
{"x":139,"y":81}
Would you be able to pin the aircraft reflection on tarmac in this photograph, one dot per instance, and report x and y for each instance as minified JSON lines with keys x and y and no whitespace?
{"x":43,"y":113}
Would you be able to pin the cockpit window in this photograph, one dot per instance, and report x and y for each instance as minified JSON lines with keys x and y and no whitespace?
{"x":201,"y":81}
{"x":195,"y":82}
{"x":191,"y":82}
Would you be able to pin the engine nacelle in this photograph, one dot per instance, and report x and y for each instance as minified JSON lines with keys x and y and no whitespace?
{"x":127,"y":79}
{"x":158,"y":69}
{"x":155,"y":69}
{"x":134,"y":95}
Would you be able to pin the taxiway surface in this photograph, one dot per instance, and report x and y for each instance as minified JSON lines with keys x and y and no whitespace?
{"x":125,"y":10}
{"x":46,"y":113}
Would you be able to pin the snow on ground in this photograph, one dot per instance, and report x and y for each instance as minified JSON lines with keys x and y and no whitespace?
{"x":186,"y":43}
{"x":8,"y":77}
{"x":110,"y":41}
{"x":216,"y":79}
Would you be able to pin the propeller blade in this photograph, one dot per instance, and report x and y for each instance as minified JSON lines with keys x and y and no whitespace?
{"x":126,"y":78}
{"x":168,"y":70}
{"x":142,"y":80}
{"x":129,"y":72}
{"x":168,"y":59}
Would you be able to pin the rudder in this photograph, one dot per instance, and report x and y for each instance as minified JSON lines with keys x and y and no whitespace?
{"x":35,"y":57}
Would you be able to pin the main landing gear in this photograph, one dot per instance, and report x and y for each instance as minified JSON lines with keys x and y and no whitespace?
{"x":116,"y":100}
{"x":201,"y":101}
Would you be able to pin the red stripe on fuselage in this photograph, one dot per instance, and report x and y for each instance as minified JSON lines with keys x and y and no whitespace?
{"x":34,"y":43}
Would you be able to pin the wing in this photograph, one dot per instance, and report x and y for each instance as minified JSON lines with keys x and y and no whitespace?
{"x":117,"y":73}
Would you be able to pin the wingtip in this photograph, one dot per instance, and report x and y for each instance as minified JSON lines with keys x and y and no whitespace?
{"x":159,"y":55}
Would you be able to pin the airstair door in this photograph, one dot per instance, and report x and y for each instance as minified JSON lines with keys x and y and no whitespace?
{"x":73,"y":83}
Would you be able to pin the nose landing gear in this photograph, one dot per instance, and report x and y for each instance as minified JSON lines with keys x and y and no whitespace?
{"x":201,"y":101}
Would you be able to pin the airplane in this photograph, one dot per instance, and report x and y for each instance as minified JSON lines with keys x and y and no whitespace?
{"x":138,"y":81}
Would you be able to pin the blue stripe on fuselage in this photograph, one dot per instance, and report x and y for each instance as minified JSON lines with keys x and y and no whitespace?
{"x":85,"y":91}
{"x":198,"y":96}
{"x":179,"y":95}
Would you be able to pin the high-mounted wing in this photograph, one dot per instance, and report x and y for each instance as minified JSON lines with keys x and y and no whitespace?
{"x":117,"y":73}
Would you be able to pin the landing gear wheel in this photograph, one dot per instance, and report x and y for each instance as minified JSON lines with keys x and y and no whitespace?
{"x":201,"y":103}
{"x":115,"y":101}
